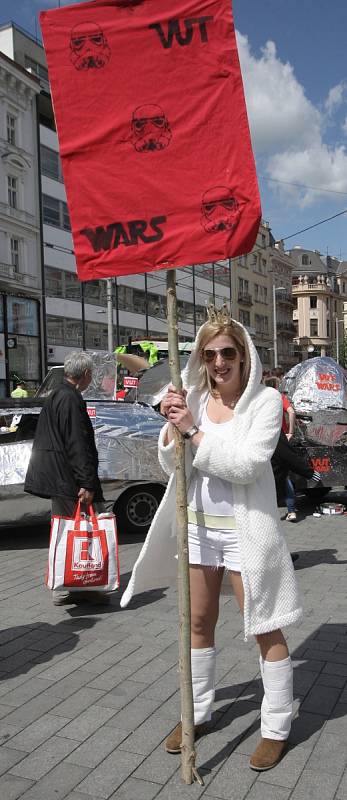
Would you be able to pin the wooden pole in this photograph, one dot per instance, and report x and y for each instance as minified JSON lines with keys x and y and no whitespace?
{"x":189,"y":772}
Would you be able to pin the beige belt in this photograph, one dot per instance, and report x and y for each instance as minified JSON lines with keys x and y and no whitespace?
{"x":211,"y":520}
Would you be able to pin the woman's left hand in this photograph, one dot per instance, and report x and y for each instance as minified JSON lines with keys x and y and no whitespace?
{"x":179,"y":413}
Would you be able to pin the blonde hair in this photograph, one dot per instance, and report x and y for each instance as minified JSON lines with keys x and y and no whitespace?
{"x":236,"y":332}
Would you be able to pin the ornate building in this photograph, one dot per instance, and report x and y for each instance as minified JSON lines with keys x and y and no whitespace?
{"x":319,"y":292}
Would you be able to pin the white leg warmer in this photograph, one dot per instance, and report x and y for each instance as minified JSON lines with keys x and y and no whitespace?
{"x":277,"y":705}
{"x":203,"y":679}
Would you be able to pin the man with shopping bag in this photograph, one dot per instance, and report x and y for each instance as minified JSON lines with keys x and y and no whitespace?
{"x":64,"y":460}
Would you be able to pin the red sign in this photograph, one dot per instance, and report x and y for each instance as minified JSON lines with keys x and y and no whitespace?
{"x":91,"y":411}
{"x":86,"y":559}
{"x":326,"y":382}
{"x":153,"y":133}
{"x":129,"y":382}
{"x":321,"y":464}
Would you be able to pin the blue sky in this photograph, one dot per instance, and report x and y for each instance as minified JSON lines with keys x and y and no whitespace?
{"x":293,"y":58}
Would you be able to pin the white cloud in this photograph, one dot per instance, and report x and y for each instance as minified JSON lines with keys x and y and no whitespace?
{"x":288,"y":129}
{"x":279,"y":112}
{"x":335,"y":97}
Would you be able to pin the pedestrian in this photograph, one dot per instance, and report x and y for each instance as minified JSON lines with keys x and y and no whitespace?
{"x":20,"y":390}
{"x":64,"y":460}
{"x":285,"y":460}
{"x":288,"y":419}
{"x":231,"y":424}
{"x":288,"y":428}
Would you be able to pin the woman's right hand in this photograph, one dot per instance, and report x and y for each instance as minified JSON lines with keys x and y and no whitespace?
{"x":173,"y":397}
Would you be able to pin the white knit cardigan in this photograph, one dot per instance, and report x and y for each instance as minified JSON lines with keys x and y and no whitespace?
{"x":241,"y":457}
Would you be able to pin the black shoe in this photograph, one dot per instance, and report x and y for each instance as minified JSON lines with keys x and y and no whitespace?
{"x":294,"y":556}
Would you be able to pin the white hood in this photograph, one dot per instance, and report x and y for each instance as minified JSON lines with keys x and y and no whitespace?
{"x":191,"y":378}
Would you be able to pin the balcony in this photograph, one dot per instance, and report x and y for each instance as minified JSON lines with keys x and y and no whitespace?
{"x":19,"y":215}
{"x":300,"y":288}
{"x":286,"y":327}
{"x":245,"y":298}
{"x":286,"y":299}
{"x":9,"y":272}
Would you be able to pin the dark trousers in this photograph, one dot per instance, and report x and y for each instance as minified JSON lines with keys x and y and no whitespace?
{"x":66,"y":506}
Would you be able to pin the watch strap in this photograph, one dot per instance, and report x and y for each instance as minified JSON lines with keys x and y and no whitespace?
{"x":191,"y":432}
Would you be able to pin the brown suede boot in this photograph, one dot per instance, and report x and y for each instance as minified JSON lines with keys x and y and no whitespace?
{"x":268,"y":753}
{"x":174,"y":740}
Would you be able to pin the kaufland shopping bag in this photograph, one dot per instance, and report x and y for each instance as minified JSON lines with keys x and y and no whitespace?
{"x":83,"y":553}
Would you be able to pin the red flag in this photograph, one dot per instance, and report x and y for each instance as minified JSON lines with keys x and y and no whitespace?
{"x":153,"y":133}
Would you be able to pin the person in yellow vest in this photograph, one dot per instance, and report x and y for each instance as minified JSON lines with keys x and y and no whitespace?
{"x":20,"y":390}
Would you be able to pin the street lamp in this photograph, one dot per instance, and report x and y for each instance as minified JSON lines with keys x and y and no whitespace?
{"x":337,"y":338}
{"x":109,"y":310}
{"x":274,"y":290}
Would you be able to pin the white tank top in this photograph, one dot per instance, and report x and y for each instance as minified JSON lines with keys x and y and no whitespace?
{"x":208,"y":493}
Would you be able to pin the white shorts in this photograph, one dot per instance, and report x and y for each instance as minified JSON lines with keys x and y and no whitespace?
{"x":214,"y":548}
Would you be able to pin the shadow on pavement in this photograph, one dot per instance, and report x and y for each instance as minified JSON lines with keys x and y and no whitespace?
{"x":311,"y":558}
{"x":319,"y":697}
{"x":26,"y":538}
{"x":37,"y":643}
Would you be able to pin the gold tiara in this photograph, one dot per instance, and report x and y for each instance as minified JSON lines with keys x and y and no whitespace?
{"x":220,"y":315}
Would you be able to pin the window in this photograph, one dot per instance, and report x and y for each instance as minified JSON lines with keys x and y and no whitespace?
{"x":15,"y":253}
{"x":261,"y":323}
{"x":244,"y":317}
{"x":243,"y":286}
{"x":12,"y":184}
{"x":125,"y":298}
{"x":72,"y":287}
{"x":242,"y":260}
{"x":328,"y":327}
{"x":65,"y":216}
{"x":304,"y":260}
{"x":96,"y":336}
{"x":263,"y":240}
{"x":50,"y":209}
{"x":55,"y":212}
{"x":22,"y":316}
{"x":36,"y":68}
{"x":50,"y":163}
{"x":54,"y":282}
{"x":313,"y":327}
{"x":55,"y":330}
{"x":11,"y":129}
{"x":313,"y":301}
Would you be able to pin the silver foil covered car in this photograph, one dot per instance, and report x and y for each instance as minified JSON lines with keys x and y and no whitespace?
{"x":317,"y":389}
{"x":126,"y":437}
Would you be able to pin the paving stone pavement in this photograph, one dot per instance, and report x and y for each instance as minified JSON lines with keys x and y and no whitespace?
{"x":88,"y":694}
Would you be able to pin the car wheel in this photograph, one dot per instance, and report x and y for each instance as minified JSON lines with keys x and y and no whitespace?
{"x":135,"y":508}
{"x":318,"y":493}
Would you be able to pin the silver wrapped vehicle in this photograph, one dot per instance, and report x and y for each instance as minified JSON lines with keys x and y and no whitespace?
{"x":126,"y":437}
{"x":317,"y":389}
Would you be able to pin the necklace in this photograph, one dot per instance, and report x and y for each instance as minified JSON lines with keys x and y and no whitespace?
{"x":229,"y":403}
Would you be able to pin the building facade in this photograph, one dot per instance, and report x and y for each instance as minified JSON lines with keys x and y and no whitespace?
{"x":21,"y":318}
{"x":320,"y":295}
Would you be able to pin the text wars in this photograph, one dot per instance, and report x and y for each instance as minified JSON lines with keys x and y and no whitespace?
{"x":182,"y":38}
{"x":124,"y":233}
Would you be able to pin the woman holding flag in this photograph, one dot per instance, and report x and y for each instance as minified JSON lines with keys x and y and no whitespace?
{"x":231,"y":423}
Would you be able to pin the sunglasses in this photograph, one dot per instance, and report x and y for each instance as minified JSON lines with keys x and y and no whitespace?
{"x":227,"y":353}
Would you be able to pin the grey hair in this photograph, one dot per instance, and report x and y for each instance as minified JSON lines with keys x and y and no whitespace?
{"x":77,"y":363}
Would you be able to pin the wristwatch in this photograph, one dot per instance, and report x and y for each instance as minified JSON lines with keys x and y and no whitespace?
{"x":191,"y":432}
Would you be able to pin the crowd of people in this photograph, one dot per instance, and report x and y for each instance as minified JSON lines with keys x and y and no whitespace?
{"x":237,"y":433}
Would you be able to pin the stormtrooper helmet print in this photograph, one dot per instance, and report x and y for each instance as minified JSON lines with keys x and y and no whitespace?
{"x":150,"y":129}
{"x":220,"y":210}
{"x":89,"y":47}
